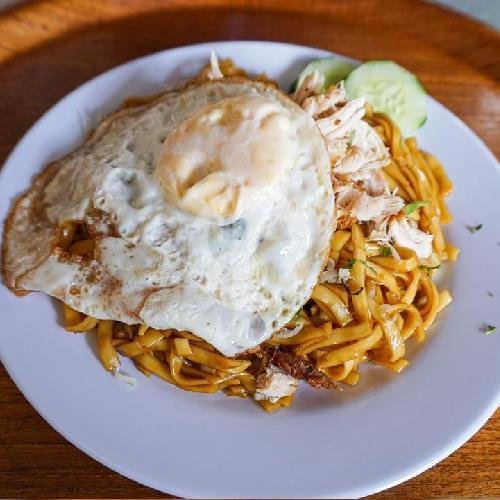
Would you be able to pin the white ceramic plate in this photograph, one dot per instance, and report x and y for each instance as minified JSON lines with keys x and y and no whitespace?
{"x":330,"y":444}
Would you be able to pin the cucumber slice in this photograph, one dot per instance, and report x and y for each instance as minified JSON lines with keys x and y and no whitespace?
{"x":331,"y":68}
{"x":391,"y":89}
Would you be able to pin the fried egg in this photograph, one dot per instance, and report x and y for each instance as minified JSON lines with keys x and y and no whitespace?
{"x":210,"y":207}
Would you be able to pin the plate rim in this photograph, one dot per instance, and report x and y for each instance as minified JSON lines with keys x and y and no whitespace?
{"x":423,"y":464}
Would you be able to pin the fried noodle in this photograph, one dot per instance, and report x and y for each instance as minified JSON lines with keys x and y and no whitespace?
{"x":370,"y":317}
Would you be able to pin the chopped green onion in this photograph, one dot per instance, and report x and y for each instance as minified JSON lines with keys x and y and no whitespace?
{"x":351,"y":262}
{"x":428,"y":269}
{"x":474,"y":229}
{"x":385,"y":251}
{"x":490,"y":329}
{"x":415,"y":205}
{"x":297,"y":316}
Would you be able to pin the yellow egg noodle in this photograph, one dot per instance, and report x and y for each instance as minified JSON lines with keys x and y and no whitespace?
{"x":386,"y":297}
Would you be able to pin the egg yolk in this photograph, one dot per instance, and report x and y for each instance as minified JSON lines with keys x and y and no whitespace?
{"x":226,"y":157}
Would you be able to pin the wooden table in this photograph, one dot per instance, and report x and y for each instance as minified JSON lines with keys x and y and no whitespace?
{"x":48,"y":48}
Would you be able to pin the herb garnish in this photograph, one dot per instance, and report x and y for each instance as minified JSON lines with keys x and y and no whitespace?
{"x":489,"y":329}
{"x":474,"y":229}
{"x":428,"y":269}
{"x":385,"y":251}
{"x":297,"y":317}
{"x":411,"y":207}
{"x":351,"y":262}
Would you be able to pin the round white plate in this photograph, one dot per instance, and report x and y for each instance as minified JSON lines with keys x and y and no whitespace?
{"x":329,"y":444}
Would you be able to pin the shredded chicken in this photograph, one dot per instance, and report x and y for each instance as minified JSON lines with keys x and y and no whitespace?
{"x":342,"y":119}
{"x":405,"y":233}
{"x":378,"y":232}
{"x":376,"y":207}
{"x":309,"y":86}
{"x":375,"y":184}
{"x":334,"y":115}
{"x":367,"y":152}
{"x":353,"y":201}
{"x":346,"y":196}
{"x":330,"y":274}
{"x":323,"y":104}
{"x":214,"y":72}
{"x":274,"y":384}
{"x":356,"y":152}
{"x":344,"y":274}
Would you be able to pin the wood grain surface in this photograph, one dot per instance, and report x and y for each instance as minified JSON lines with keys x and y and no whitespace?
{"x":48,"y":48}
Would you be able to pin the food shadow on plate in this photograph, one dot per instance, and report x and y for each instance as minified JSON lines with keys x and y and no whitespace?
{"x":144,"y":84}
{"x":141,"y":83}
{"x":90,"y":338}
{"x":375,"y":381}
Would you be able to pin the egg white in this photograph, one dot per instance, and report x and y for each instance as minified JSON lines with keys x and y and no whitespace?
{"x":231,"y":281}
